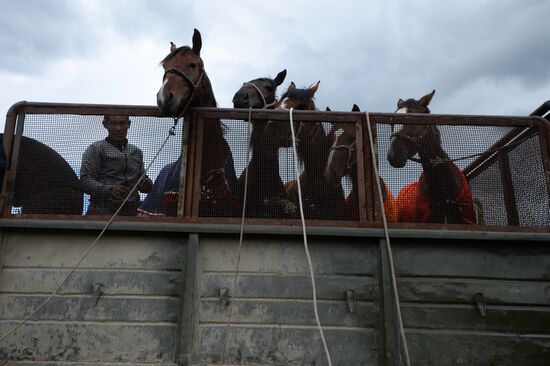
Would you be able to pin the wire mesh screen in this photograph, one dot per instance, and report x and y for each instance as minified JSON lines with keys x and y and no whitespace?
{"x":272,"y":189}
{"x":50,"y":162}
{"x":431,"y":187}
{"x":529,"y":183}
{"x":488,"y":191}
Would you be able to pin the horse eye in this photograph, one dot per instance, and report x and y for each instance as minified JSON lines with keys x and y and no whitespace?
{"x":269,"y":88}
{"x":192,"y":65}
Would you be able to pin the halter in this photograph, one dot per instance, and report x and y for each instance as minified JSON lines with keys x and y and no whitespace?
{"x":415,"y":140}
{"x":350,"y":147}
{"x":262,"y":96}
{"x":194,"y":86}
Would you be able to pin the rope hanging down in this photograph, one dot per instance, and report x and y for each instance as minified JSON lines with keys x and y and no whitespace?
{"x":171,"y":132}
{"x":388,"y":246}
{"x":306,"y":247}
{"x":234,"y":284}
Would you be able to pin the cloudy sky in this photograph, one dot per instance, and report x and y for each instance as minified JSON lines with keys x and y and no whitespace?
{"x":481,"y":56}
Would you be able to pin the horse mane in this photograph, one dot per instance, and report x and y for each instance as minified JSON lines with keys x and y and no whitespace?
{"x":302,"y":94}
{"x":174,"y":53}
{"x":207,"y":98}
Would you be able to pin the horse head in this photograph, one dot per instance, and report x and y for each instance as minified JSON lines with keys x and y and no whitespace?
{"x":342,"y":158}
{"x":298,"y":99}
{"x":185,"y":82}
{"x":258,"y":93}
{"x":406,"y":140}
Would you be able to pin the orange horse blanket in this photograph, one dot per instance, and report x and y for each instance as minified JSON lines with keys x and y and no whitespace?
{"x":413,"y":206}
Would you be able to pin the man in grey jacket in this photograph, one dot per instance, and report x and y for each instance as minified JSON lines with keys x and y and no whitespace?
{"x":110,"y":169}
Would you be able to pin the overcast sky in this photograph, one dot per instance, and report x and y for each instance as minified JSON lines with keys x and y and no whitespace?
{"x":482,"y":57}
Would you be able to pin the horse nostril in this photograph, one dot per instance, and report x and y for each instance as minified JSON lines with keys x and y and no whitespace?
{"x":170,"y":97}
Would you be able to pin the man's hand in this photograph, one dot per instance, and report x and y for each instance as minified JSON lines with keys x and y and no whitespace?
{"x":145,"y":185}
{"x":119,"y":191}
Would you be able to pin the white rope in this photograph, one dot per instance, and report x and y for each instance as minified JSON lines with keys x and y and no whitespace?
{"x":89,"y":249}
{"x":310,"y":264}
{"x":266,"y":105}
{"x":388,"y":246}
{"x":234,"y":285}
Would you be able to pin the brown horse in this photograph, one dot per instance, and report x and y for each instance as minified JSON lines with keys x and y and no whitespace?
{"x":266,"y":196}
{"x":258,"y":93}
{"x":442,"y":193}
{"x":342,"y":161}
{"x":320,"y":200}
{"x":185,"y":84}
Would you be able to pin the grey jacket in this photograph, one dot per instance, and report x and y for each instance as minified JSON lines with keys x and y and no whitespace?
{"x":103,"y":165}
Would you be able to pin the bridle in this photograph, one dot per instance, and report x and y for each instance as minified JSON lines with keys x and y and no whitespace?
{"x":266,"y":105}
{"x":417,"y":140}
{"x":194,"y":86}
{"x":351,"y":148}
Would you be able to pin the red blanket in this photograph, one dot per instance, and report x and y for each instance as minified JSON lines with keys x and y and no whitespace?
{"x":413,"y":206}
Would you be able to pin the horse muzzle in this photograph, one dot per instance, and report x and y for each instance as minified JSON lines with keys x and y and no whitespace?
{"x":396,"y":160}
{"x":241,"y":100}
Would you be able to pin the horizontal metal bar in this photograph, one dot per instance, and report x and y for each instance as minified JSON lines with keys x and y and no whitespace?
{"x":446,"y":233}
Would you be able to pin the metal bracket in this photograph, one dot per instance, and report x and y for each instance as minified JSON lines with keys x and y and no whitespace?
{"x":224,"y":296}
{"x":97,"y":291}
{"x":350,"y":297}
{"x":480,"y":302}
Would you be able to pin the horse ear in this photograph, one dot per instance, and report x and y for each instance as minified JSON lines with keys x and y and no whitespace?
{"x":400,"y":104}
{"x":172,"y":47}
{"x":292,"y":86}
{"x":280,"y":77}
{"x":313,"y":88}
{"x":425,"y":100}
{"x":355,"y":108}
{"x":197,"y":42}
{"x":328,"y":109}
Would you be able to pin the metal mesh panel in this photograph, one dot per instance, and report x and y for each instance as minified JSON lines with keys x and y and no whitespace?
{"x":489,"y":197}
{"x":272,"y":189}
{"x":45,"y":181}
{"x":529,"y":183}
{"x":440,"y":179}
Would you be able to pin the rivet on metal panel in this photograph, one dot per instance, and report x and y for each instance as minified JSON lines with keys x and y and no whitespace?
{"x":224,"y":296}
{"x":97,"y":291}
{"x":350,"y":297}
{"x":480,"y":302}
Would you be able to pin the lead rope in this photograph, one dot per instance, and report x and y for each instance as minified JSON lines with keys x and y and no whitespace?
{"x":388,"y":246}
{"x":305,"y":239}
{"x":89,"y":249}
{"x":262,"y":96}
{"x":234,"y":285}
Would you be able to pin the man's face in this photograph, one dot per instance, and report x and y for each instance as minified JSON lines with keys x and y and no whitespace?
{"x":118,"y":128}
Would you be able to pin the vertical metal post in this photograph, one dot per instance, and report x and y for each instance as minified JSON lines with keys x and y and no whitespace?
{"x":12,"y":170}
{"x":389,"y":348}
{"x":186,"y":308}
{"x":183,"y":165}
{"x":508,"y":188}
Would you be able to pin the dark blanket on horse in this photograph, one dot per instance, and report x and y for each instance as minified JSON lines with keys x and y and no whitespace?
{"x":163,"y":198}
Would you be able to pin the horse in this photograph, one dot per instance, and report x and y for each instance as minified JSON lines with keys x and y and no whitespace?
{"x":266,"y":196}
{"x":44,"y":183}
{"x":442,"y":193}
{"x":342,"y":161}
{"x":320,"y":200}
{"x":185,"y":84}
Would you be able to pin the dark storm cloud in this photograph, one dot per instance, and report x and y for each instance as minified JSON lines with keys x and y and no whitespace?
{"x":375,"y":55}
{"x":34,"y":32}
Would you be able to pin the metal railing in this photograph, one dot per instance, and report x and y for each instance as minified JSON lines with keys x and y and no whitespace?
{"x":508,"y":174}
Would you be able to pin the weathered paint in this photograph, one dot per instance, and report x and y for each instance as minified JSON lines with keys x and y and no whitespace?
{"x":160,"y":300}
